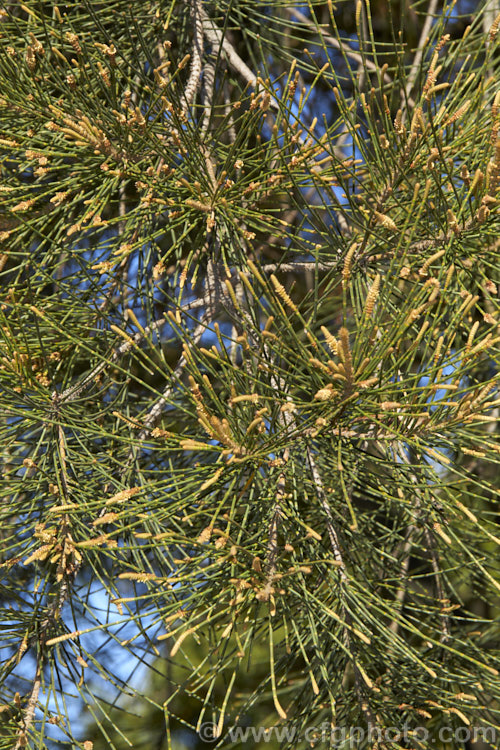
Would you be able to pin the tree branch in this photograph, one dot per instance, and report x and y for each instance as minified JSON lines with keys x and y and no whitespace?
{"x":342,"y":46}
{"x":29,"y":713}
{"x":194,"y":79}
{"x":431,"y":11}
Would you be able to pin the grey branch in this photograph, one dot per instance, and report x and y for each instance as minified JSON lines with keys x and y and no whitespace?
{"x":332,"y":534}
{"x":216,"y":37}
{"x":29,"y":713}
{"x":342,"y":46}
{"x":193,"y":83}
{"x":421,"y":46}
{"x":73,"y":391}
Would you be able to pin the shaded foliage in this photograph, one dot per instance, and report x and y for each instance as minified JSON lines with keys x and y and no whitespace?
{"x":249,"y":371}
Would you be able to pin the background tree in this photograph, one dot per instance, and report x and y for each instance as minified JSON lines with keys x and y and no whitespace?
{"x":249,"y":371}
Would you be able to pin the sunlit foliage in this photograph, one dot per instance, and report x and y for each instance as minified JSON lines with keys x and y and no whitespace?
{"x":248,"y":369}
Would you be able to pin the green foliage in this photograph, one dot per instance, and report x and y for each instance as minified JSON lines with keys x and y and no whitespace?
{"x":249,"y":370}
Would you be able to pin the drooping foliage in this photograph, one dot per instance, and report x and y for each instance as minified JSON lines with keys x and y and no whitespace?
{"x":249,"y":371}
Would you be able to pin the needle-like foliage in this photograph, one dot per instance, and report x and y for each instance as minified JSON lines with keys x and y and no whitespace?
{"x":249,"y":335}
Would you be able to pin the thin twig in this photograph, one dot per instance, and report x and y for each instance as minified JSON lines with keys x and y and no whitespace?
{"x":344,"y":580}
{"x":403,"y":573}
{"x":29,"y":713}
{"x":159,"y":406}
{"x":443,"y":617}
{"x":73,"y":391}
{"x":228,"y":112}
{"x":342,"y":46}
{"x":212,"y":299}
{"x":216,"y":37}
{"x":208,"y":92}
{"x":194,"y":79}
{"x":285,"y":420}
{"x":410,"y":533}
{"x":157,"y":409}
{"x":431,"y":11}
{"x":272,"y":541}
{"x":332,"y":534}
{"x":297,"y":266}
